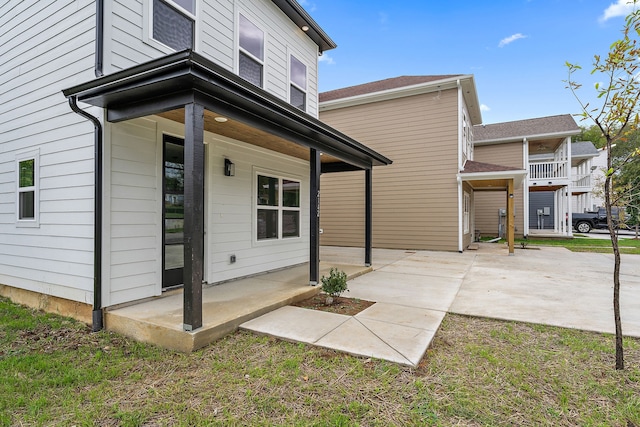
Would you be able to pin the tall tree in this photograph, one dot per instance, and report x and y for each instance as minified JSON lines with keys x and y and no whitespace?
{"x":617,"y":117}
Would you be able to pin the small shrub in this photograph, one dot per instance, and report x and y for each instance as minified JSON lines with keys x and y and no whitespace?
{"x":335,"y":284}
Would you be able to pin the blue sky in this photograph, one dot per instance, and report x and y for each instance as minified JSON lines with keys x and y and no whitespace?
{"x":516,"y":49}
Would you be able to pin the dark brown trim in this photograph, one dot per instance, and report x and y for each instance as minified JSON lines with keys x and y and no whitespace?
{"x":314,"y":218}
{"x":368,"y":211}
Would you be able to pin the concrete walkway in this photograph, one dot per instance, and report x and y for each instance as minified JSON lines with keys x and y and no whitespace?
{"x":414,"y":290}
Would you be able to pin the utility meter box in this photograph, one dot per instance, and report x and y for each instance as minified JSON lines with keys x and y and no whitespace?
{"x":547,"y":210}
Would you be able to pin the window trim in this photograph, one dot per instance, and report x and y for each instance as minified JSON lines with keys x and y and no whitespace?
{"x":293,"y":84}
{"x":280,"y":208}
{"x":239,"y":49}
{"x":466,"y":212}
{"x":148,"y":24}
{"x":35,"y":188}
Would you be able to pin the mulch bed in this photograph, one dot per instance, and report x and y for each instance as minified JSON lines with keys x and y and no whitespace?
{"x":341,"y":305}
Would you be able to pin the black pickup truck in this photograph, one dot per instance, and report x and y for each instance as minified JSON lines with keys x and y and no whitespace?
{"x":585,"y":222}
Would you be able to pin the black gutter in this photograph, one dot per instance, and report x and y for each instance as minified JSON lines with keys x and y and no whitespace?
{"x":97,"y":323}
{"x":99,"y":38}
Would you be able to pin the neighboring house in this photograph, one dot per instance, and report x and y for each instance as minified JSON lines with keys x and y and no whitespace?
{"x":543,"y":147}
{"x":152,"y":143}
{"x":541,"y":203}
{"x":425,"y":200}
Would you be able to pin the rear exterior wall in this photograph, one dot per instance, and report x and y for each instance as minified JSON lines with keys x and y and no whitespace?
{"x":415,"y":200}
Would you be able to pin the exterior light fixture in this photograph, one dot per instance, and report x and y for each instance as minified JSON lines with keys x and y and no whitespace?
{"x":220,"y":119}
{"x":229,"y":168}
{"x":305,"y":28}
{"x":511,"y":195}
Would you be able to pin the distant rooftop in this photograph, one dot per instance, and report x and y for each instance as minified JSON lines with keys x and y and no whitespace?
{"x":380,"y":86}
{"x":583,"y":149}
{"x":561,"y":124}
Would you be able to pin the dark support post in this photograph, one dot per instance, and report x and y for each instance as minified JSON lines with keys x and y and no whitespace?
{"x":314,"y":214}
{"x":368,"y":208}
{"x":193,"y":214}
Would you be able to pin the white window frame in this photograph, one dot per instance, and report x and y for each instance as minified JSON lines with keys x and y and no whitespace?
{"x":297,"y":86}
{"x":35,"y":188}
{"x":148,"y":24}
{"x":466,"y":212}
{"x":467,"y":137}
{"x":279,"y":208}
{"x":240,"y":49}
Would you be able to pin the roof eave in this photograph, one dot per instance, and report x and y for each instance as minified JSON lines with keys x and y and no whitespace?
{"x":301,"y":18}
{"x":533,"y":137}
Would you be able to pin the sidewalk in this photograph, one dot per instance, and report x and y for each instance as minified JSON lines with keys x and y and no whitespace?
{"x":414,"y":290}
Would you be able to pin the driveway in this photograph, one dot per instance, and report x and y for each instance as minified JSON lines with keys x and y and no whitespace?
{"x":413,"y":291}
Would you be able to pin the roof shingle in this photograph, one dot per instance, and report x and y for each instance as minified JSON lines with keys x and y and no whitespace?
{"x":526,"y":128}
{"x":380,"y":85}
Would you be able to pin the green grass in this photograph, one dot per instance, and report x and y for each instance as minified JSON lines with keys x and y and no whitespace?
{"x":584,"y":244}
{"x":54,"y":371}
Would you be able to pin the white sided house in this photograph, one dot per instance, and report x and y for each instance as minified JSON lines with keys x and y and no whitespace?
{"x":146,"y":144}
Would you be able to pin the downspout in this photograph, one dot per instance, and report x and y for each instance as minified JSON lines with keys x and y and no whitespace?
{"x":99,"y":38}
{"x":460,"y":166}
{"x":525,"y":190}
{"x":97,"y":318}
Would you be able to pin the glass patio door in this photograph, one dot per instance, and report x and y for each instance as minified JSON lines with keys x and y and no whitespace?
{"x":173,"y":211}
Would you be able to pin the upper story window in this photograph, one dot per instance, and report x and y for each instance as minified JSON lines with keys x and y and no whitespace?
{"x":467,"y":138}
{"x":174,"y":23}
{"x":251,"y":55}
{"x":298,"y":88}
{"x":27,"y":188}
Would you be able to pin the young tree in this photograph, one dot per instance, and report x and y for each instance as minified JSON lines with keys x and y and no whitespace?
{"x":617,"y":117}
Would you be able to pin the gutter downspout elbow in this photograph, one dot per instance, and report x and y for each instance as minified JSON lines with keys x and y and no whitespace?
{"x":97,"y":317}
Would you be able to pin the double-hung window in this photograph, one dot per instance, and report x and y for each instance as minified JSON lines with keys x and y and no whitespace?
{"x":27,"y":188}
{"x":278,"y":207}
{"x":174,"y":23}
{"x":298,"y":87}
{"x":251,"y":52}
{"x":466,"y":212}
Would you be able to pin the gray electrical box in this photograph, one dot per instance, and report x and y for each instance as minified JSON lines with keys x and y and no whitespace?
{"x":547,"y":210}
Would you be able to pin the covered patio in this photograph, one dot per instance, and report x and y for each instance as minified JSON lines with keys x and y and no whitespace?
{"x":187,"y":88}
{"x":489,"y":177}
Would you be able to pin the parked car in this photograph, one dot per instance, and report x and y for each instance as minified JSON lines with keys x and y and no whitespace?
{"x":585,"y":222}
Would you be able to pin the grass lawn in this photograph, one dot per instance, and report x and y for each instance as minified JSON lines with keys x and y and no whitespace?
{"x":53,"y":371}
{"x":581,"y":243}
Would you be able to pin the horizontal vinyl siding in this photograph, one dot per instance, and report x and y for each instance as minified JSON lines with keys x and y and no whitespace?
{"x":47,"y":46}
{"x":415,"y":200}
{"x":134,"y":212}
{"x":128,"y":45}
{"x":509,"y":154}
{"x":230,"y":211}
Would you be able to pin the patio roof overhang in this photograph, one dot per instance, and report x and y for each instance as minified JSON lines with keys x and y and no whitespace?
{"x":165,"y":85}
{"x":486,"y":176}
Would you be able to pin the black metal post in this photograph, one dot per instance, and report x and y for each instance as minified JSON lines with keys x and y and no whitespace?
{"x":368,"y":208}
{"x":193,"y":214}
{"x":314,"y":214}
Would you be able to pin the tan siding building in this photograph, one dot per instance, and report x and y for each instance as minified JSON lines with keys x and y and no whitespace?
{"x":417,"y":201}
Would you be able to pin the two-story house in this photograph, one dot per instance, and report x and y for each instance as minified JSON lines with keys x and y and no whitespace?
{"x":543,"y":147}
{"x":426,"y":199}
{"x":151,"y":143}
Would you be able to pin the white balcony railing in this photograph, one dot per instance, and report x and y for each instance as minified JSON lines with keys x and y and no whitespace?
{"x":581,"y":181}
{"x":548,"y":170}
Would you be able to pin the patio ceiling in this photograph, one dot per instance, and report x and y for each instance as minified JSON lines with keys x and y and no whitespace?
{"x":165,"y":85}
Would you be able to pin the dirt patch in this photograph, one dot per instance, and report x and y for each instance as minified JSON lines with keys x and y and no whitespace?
{"x":341,"y":305}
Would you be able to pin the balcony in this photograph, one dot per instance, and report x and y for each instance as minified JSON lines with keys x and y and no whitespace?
{"x":548,"y":171}
{"x":581,"y":183}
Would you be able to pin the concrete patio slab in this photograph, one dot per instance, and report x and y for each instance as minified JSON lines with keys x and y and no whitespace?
{"x":403,"y":315}
{"x":296,"y":324}
{"x":355,"y":338}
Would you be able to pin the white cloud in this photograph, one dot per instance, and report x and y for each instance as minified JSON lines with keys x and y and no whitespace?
{"x":621,"y":8}
{"x":326,"y":59}
{"x":484,"y":107}
{"x":505,"y":41}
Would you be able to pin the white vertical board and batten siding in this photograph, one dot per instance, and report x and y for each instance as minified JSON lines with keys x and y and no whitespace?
{"x":46,"y":46}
